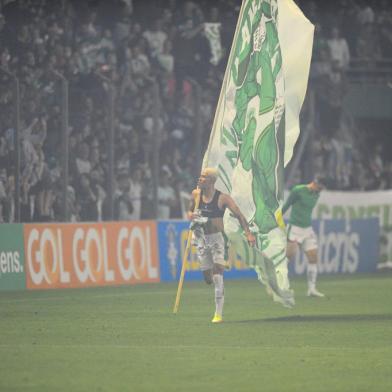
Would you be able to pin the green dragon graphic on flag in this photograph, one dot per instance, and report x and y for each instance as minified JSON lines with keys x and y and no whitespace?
{"x":252,"y":122}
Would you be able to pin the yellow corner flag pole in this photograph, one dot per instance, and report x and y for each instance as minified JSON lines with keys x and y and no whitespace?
{"x":183,"y":266}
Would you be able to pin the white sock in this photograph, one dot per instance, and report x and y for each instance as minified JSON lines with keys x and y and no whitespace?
{"x":219,"y":293}
{"x":282,"y":276}
{"x":312,"y":276}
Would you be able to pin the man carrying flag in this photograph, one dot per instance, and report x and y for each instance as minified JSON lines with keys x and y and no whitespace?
{"x":207,"y":227}
{"x":255,"y":129}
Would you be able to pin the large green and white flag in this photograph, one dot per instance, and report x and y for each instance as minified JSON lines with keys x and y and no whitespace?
{"x":256,"y":126}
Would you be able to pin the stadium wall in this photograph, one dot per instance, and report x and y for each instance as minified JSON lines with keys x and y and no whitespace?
{"x":58,"y":256}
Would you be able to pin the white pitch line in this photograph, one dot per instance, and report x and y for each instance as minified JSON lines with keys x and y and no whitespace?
{"x":188,"y":347}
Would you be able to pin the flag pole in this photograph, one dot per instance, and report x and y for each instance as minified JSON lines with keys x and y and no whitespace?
{"x":184,"y":257}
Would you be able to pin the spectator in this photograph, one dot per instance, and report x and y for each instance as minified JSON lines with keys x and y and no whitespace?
{"x":332,"y":90}
{"x":165,"y":59}
{"x":140,"y":64}
{"x":166,"y":195}
{"x":339,"y":49}
{"x":368,"y":44}
{"x":155,"y":38}
{"x":387,"y":176}
{"x":123,"y":207}
{"x":187,"y":45}
{"x":82,"y":162}
{"x":87,"y":200}
{"x":384,"y":25}
{"x":136,"y":192}
{"x":3,"y":194}
{"x":365,"y":13}
{"x":42,"y":190}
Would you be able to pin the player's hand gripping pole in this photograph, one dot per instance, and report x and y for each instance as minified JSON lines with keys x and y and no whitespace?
{"x":184,"y":257}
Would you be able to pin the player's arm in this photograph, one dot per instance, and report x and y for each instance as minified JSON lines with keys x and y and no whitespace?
{"x":192,"y":203}
{"x":290,"y":201}
{"x":227,"y":201}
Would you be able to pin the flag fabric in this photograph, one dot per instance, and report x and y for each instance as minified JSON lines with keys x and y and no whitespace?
{"x":256,"y":126}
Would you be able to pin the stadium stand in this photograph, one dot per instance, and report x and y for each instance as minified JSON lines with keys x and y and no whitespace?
{"x":181,"y":47}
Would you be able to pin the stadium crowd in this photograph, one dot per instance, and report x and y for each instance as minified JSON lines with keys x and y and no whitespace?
{"x":181,"y":47}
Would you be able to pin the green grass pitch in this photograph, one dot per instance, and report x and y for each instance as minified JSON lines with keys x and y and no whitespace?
{"x":127,"y":339}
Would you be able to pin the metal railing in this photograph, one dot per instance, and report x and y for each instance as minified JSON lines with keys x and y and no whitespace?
{"x":370,"y":70}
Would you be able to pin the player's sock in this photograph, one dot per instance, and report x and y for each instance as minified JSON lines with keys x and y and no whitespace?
{"x":219,"y":293}
{"x":282,"y":275}
{"x":312,"y":276}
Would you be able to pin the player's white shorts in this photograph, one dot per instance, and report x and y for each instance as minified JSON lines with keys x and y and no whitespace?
{"x":304,"y":236}
{"x":210,"y":250}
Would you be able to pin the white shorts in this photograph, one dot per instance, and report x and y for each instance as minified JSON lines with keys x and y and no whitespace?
{"x":304,"y":236}
{"x":210,"y":250}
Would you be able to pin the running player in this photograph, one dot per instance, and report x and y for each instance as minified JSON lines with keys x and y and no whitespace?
{"x":302,"y":199}
{"x":207,"y":226}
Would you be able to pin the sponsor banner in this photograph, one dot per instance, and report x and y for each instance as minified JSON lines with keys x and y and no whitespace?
{"x":84,"y":255}
{"x":360,"y":205}
{"x":12,"y":273}
{"x":345,"y":246}
{"x":173,"y":236}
